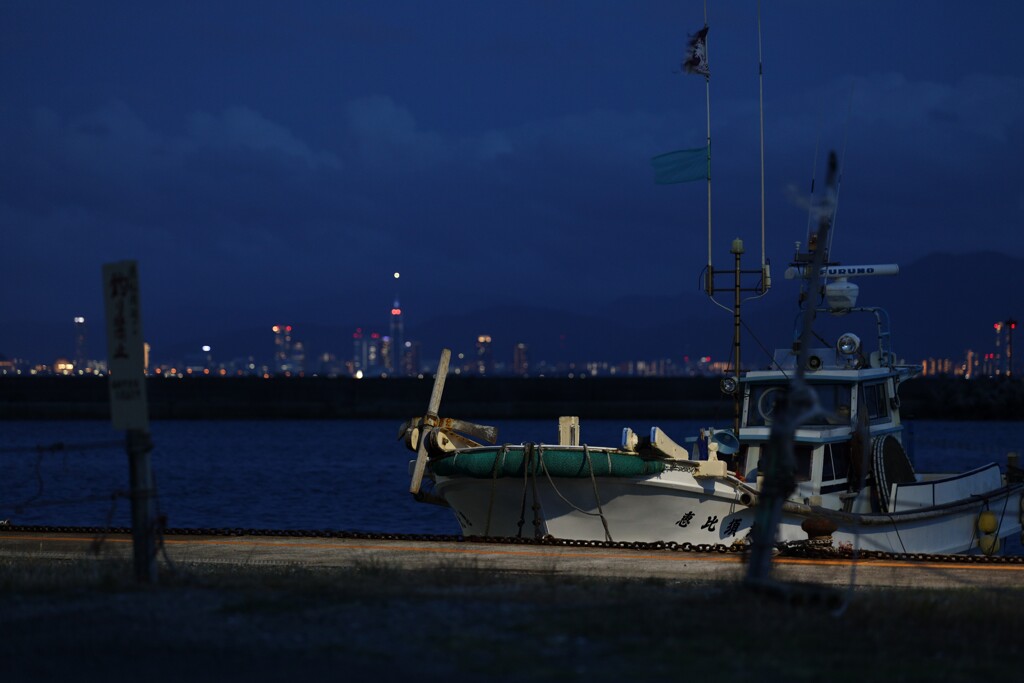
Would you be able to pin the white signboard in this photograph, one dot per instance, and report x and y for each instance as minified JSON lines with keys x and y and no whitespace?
{"x":125,"y":361}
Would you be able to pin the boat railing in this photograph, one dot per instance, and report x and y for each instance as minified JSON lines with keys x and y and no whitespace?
{"x":883,"y":333}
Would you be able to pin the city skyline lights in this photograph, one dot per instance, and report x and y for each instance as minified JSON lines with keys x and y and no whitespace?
{"x":377,"y":355}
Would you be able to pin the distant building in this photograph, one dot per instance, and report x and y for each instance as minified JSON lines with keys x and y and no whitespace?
{"x":484,"y":355}
{"x":81,"y":352}
{"x":520,"y":360}
{"x":931,"y":367}
{"x":410,"y":366}
{"x":199,"y":362}
{"x":298,"y":358}
{"x":282,"y":349}
{"x":367,"y":354}
{"x":358,"y":364}
{"x":997,"y":357}
{"x":967,"y":367}
{"x":397,"y":339}
{"x":329,"y":365}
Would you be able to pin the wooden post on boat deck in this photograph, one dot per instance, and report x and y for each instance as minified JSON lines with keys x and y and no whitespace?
{"x":129,"y":409}
{"x":430,"y":420}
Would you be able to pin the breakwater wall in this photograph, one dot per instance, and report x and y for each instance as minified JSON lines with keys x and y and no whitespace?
{"x":465,"y":397}
{"x":345,"y":398}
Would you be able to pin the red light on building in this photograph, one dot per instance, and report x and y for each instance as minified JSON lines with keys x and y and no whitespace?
{"x":396,"y":311}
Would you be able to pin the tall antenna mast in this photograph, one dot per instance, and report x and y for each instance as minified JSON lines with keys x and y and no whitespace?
{"x":760,"y":96}
{"x":741,"y":278}
{"x":707,"y":100}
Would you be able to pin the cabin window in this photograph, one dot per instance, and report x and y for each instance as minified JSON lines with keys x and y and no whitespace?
{"x":803,"y":455}
{"x":837,"y":461}
{"x":874,"y":401}
{"x":764,"y":401}
{"x":835,"y":402}
{"x":833,"y":398}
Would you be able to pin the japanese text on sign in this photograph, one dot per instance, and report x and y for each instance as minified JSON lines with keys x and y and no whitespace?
{"x":128,"y":409}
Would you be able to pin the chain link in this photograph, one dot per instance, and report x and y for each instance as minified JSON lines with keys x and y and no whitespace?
{"x":824,"y":550}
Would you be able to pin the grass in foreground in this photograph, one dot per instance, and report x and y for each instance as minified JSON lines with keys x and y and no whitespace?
{"x":457,"y":623}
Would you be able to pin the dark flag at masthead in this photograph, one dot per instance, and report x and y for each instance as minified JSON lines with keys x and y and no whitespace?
{"x":696,"y":61}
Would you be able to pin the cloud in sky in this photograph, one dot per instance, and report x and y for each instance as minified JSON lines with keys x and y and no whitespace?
{"x":267,"y":172}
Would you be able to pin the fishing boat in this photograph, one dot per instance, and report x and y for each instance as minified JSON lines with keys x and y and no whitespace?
{"x":853,"y":482}
{"x":817,"y":440}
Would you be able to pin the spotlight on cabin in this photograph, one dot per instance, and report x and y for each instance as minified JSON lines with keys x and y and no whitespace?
{"x":729,"y":385}
{"x":727,"y":441}
{"x":848,"y":344}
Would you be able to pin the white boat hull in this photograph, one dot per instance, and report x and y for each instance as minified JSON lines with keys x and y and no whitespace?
{"x":678,"y":507}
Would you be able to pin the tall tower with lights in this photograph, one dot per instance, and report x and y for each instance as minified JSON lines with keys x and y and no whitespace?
{"x":397,"y":367}
{"x":997,"y":357}
{"x":80,"y":339}
{"x":358,"y":352}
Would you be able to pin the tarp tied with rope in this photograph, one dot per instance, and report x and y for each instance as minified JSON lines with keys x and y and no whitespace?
{"x":513,"y":462}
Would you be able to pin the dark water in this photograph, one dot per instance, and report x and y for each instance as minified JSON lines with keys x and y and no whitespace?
{"x":343,"y":475}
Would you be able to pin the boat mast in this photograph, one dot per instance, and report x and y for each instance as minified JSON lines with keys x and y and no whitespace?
{"x":707,"y":102}
{"x":730,"y":385}
{"x":760,"y":109}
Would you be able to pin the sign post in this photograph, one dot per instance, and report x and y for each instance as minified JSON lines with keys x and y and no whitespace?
{"x":128,"y":407}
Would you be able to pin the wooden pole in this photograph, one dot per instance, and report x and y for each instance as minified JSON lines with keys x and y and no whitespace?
{"x":139,"y":444}
{"x":129,"y":409}
{"x":794,"y":408}
{"x":430,"y":421}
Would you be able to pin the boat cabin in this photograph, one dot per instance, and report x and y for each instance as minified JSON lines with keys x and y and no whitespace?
{"x":850,"y":393}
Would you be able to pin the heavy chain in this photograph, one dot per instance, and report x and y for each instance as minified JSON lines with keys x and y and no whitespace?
{"x":801,"y":549}
{"x":819,"y":550}
{"x":375,"y":536}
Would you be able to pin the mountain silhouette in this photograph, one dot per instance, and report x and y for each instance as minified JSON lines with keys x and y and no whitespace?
{"x":939,"y":306}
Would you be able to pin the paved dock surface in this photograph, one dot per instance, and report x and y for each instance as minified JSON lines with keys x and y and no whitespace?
{"x":259,"y":608}
{"x":311,"y":553}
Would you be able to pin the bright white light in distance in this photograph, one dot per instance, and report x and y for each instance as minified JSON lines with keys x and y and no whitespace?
{"x":206,"y":348}
{"x":397,"y":275}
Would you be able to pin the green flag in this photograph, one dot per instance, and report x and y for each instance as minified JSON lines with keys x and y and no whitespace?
{"x":681,"y":166}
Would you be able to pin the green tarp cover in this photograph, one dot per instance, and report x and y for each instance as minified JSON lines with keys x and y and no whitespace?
{"x":557,"y":462}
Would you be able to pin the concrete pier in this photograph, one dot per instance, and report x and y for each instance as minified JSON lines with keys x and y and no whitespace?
{"x":311,"y":553}
{"x":259,"y":608}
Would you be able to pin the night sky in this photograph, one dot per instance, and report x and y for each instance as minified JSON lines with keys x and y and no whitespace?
{"x":273,"y":162}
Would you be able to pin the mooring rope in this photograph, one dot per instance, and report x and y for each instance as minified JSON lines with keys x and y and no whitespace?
{"x":559,"y":493}
{"x":527,"y":456}
{"x":538,"y":519}
{"x":597,"y":497}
